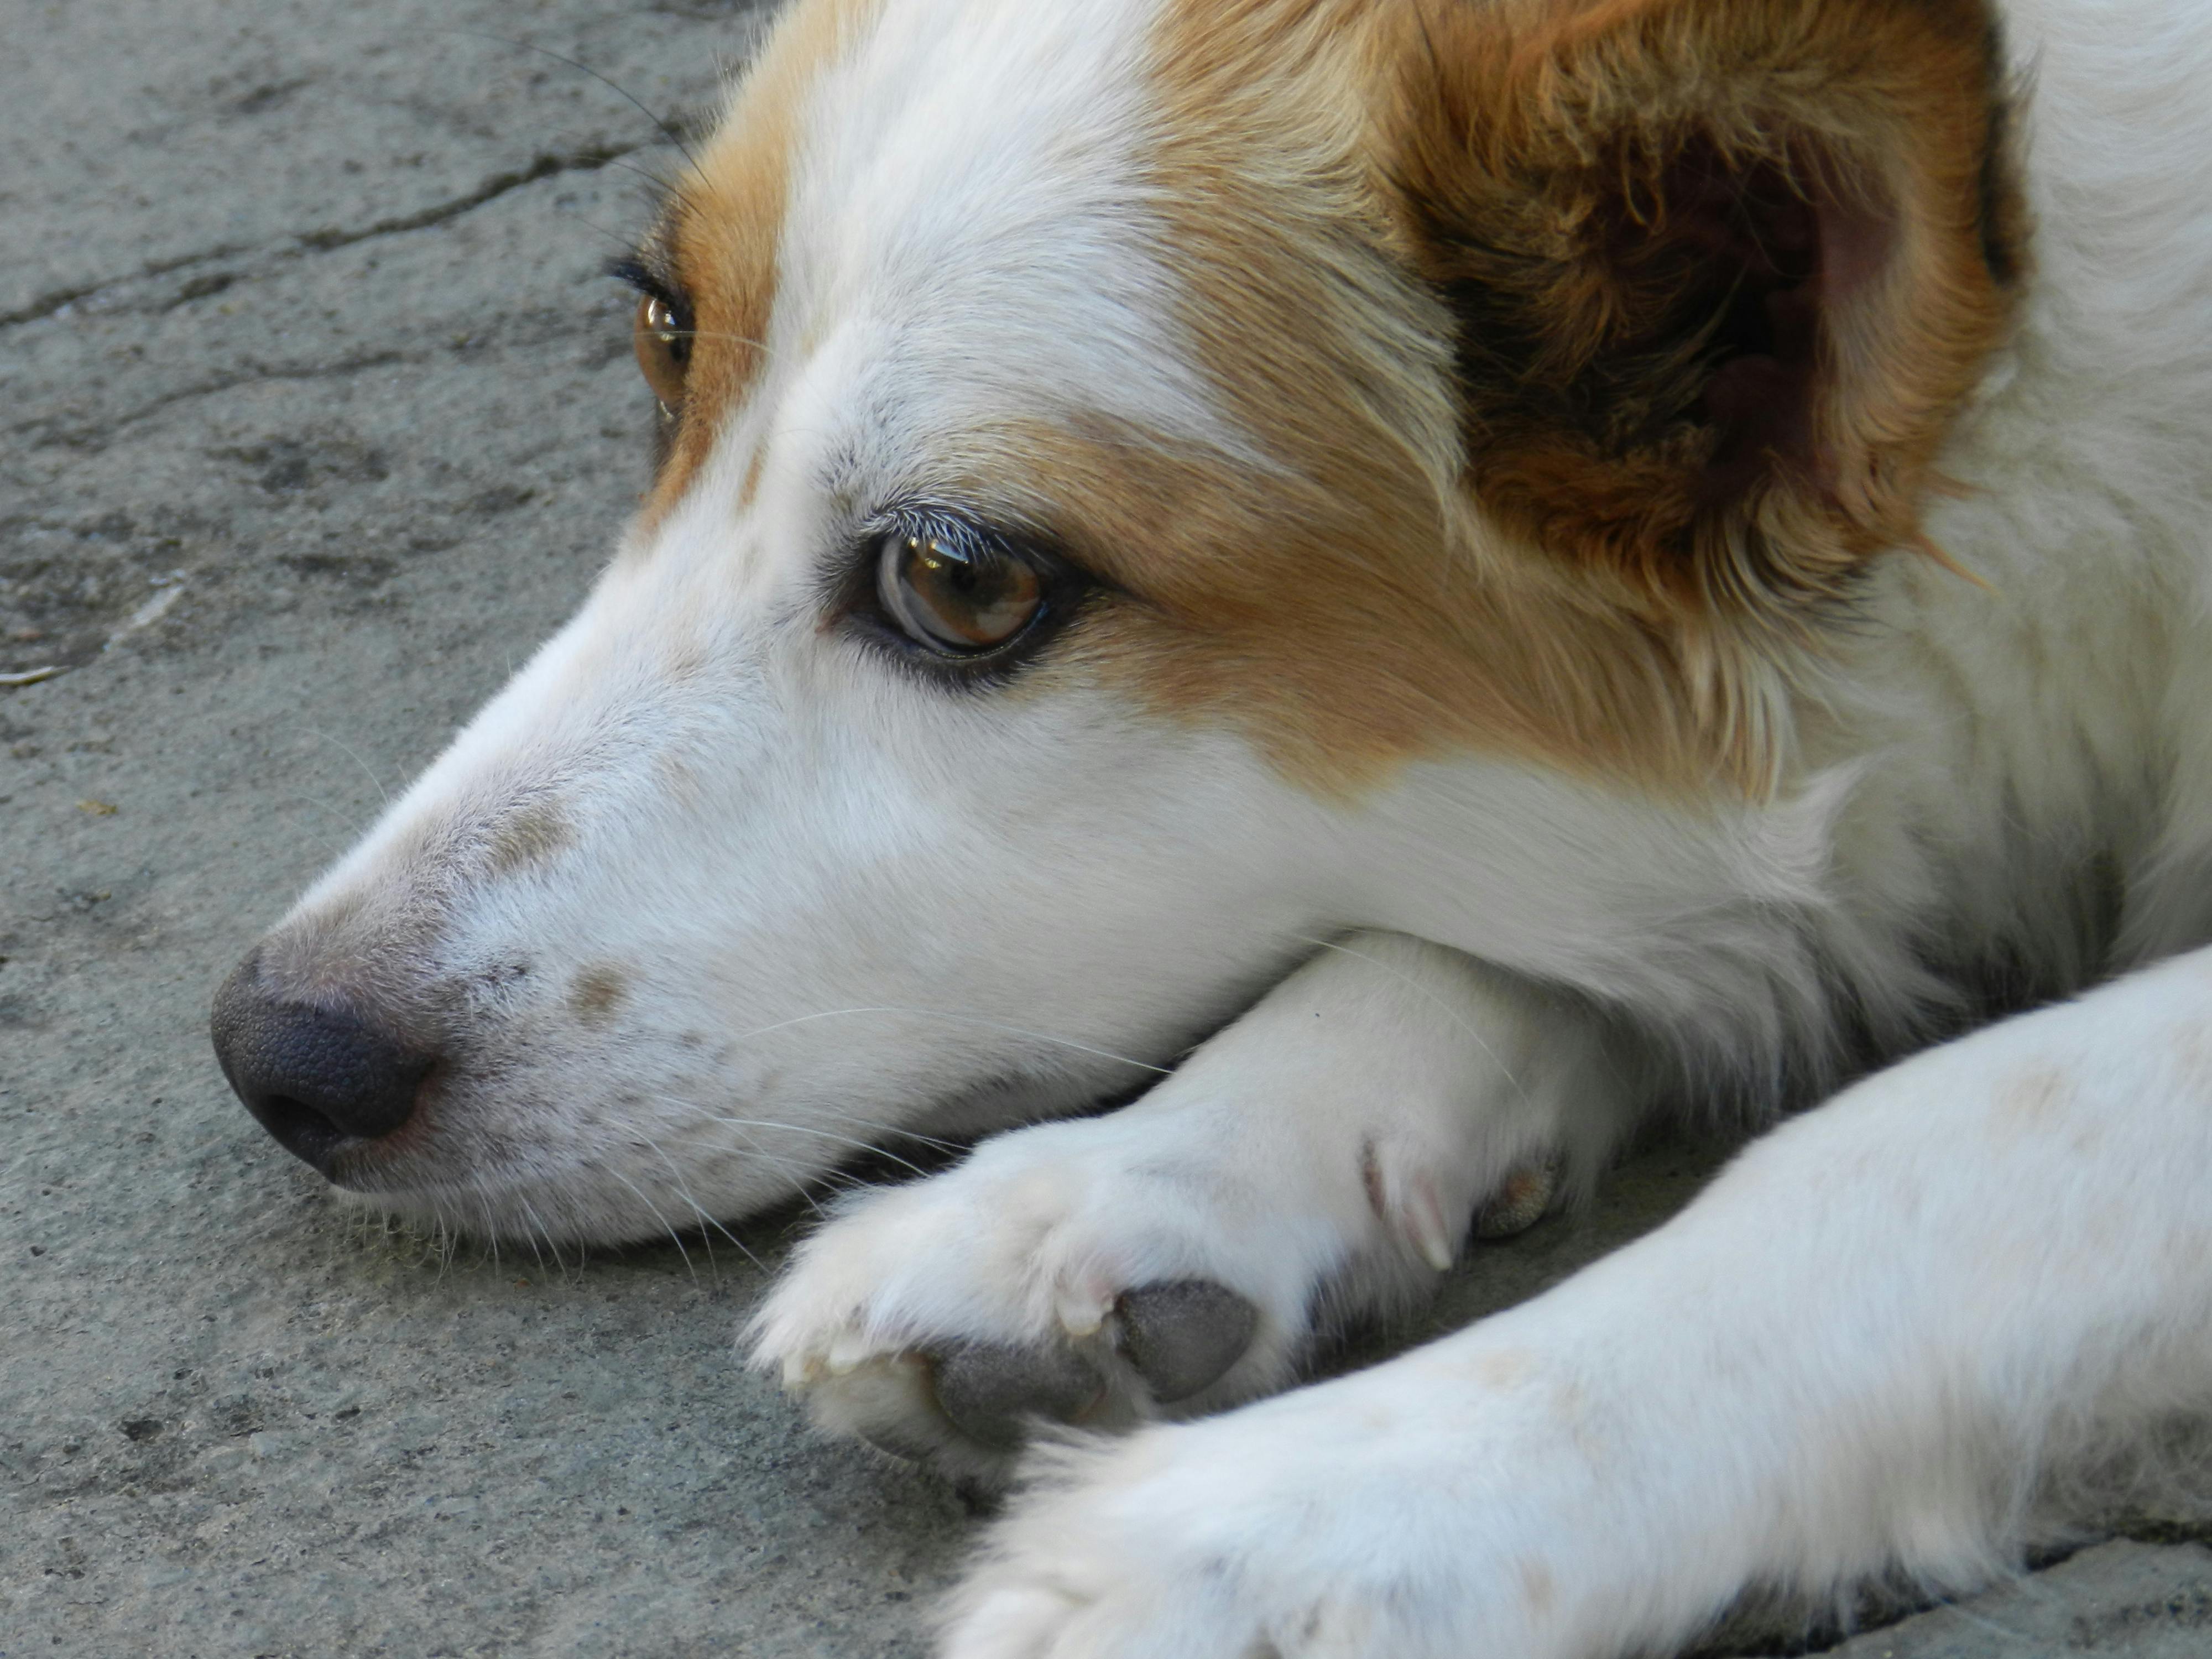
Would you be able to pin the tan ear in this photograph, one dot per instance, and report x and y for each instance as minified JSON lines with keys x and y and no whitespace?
{"x":1723,"y":273}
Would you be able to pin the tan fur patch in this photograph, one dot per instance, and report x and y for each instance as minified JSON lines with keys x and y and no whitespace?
{"x":529,"y":836}
{"x":1538,"y":1588}
{"x":1506,"y":1369}
{"x":2193,"y":1057}
{"x":2032,"y":1101}
{"x":1447,"y":559}
{"x":1299,"y":615}
{"x":1597,"y":186}
{"x":1448,"y":265}
{"x":724,"y":224}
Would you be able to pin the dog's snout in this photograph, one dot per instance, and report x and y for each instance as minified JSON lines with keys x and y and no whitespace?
{"x":317,"y":1079}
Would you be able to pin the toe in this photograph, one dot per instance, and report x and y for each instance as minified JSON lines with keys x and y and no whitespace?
{"x":1183,"y":1335}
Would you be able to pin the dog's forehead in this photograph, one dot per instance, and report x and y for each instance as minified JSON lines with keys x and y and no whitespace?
{"x":995,"y":217}
{"x":963,"y":152}
{"x":961,"y":234}
{"x":1106,"y":269}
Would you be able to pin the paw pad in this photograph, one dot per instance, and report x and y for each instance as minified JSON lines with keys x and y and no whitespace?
{"x":988,"y":1389}
{"x":1183,"y":1335}
{"x":1180,"y":1337}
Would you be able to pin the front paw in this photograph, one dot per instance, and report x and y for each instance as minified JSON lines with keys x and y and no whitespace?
{"x":1107,"y":1272}
{"x":1326,"y":1523}
{"x":1046,"y":1280}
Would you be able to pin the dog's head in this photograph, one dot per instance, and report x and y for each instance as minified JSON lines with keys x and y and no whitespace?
{"x":1146,"y":484}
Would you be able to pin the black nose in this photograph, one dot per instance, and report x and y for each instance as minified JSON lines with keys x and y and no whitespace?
{"x":316,"y":1079}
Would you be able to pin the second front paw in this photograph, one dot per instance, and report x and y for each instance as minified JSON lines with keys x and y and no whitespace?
{"x":1047,"y":1280}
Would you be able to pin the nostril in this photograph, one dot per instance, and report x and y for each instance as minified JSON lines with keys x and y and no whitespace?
{"x":315,"y":1078}
{"x":298,"y":1127}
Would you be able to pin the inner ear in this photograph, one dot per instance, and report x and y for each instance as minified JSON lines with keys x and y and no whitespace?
{"x":1720,"y":280}
{"x":1655,"y":349}
{"x":1763,"y":258}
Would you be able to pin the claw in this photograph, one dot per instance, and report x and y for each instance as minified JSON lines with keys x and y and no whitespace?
{"x":848,"y":1351}
{"x":1183,"y":1335}
{"x":989,"y":1389}
{"x":1081,"y":1312}
{"x":1422,"y":1215}
{"x":802,"y":1370}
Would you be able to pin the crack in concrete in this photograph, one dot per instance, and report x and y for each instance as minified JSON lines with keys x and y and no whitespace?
{"x":1873,"y":1615}
{"x":62,"y":437}
{"x":589,"y":160}
{"x":2143,"y":1531}
{"x":546,"y":165}
{"x":46,"y":304}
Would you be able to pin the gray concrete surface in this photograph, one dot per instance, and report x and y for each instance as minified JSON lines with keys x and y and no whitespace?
{"x":315,"y":413}
{"x":2141,"y":1601}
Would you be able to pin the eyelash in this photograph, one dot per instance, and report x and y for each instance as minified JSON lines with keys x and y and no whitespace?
{"x":633,"y":273}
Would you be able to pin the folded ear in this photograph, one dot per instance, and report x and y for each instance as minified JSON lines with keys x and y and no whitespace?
{"x":1723,"y":273}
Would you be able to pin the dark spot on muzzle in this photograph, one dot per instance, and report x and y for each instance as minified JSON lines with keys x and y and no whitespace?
{"x":598,"y":994}
{"x":528,"y":836}
{"x":318,"y":1078}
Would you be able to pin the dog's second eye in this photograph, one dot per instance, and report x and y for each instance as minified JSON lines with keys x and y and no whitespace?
{"x":663,"y":340}
{"x":959,"y":600}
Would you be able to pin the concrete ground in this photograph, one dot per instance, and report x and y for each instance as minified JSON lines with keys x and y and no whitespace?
{"x":318,"y":413}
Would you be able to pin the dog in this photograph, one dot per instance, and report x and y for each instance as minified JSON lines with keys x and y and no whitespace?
{"x":1387,"y":588}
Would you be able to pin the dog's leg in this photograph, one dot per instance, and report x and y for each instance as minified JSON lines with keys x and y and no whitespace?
{"x":1857,"y":1354}
{"x":1319,"y":1158}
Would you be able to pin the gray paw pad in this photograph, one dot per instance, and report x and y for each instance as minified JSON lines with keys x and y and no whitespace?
{"x":990,"y":1390}
{"x":1182,"y":1335}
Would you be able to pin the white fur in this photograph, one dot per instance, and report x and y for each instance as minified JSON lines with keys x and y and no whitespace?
{"x":842,"y":904}
{"x":1330,"y":1144}
{"x":1761,"y":1394}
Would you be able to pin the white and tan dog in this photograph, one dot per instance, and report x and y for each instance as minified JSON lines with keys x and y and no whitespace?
{"x":1515,"y":561}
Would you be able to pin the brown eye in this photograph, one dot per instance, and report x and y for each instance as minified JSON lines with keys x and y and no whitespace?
{"x":956,"y":599}
{"x":663,"y":338}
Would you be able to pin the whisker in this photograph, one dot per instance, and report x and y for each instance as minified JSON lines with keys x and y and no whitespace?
{"x":704,"y":1115}
{"x":801,"y":1176}
{"x":356,"y":760}
{"x":450,"y":1261}
{"x":333,"y":847}
{"x":661,"y":185}
{"x":491,"y":1230}
{"x":614,"y":236}
{"x":530,"y":1237}
{"x":761,"y":346}
{"x":963,"y":1020}
{"x":551,"y":1243}
{"x":685,"y":1192}
{"x":666,"y":130}
{"x":888,"y":1130}
{"x":672,"y":1235}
